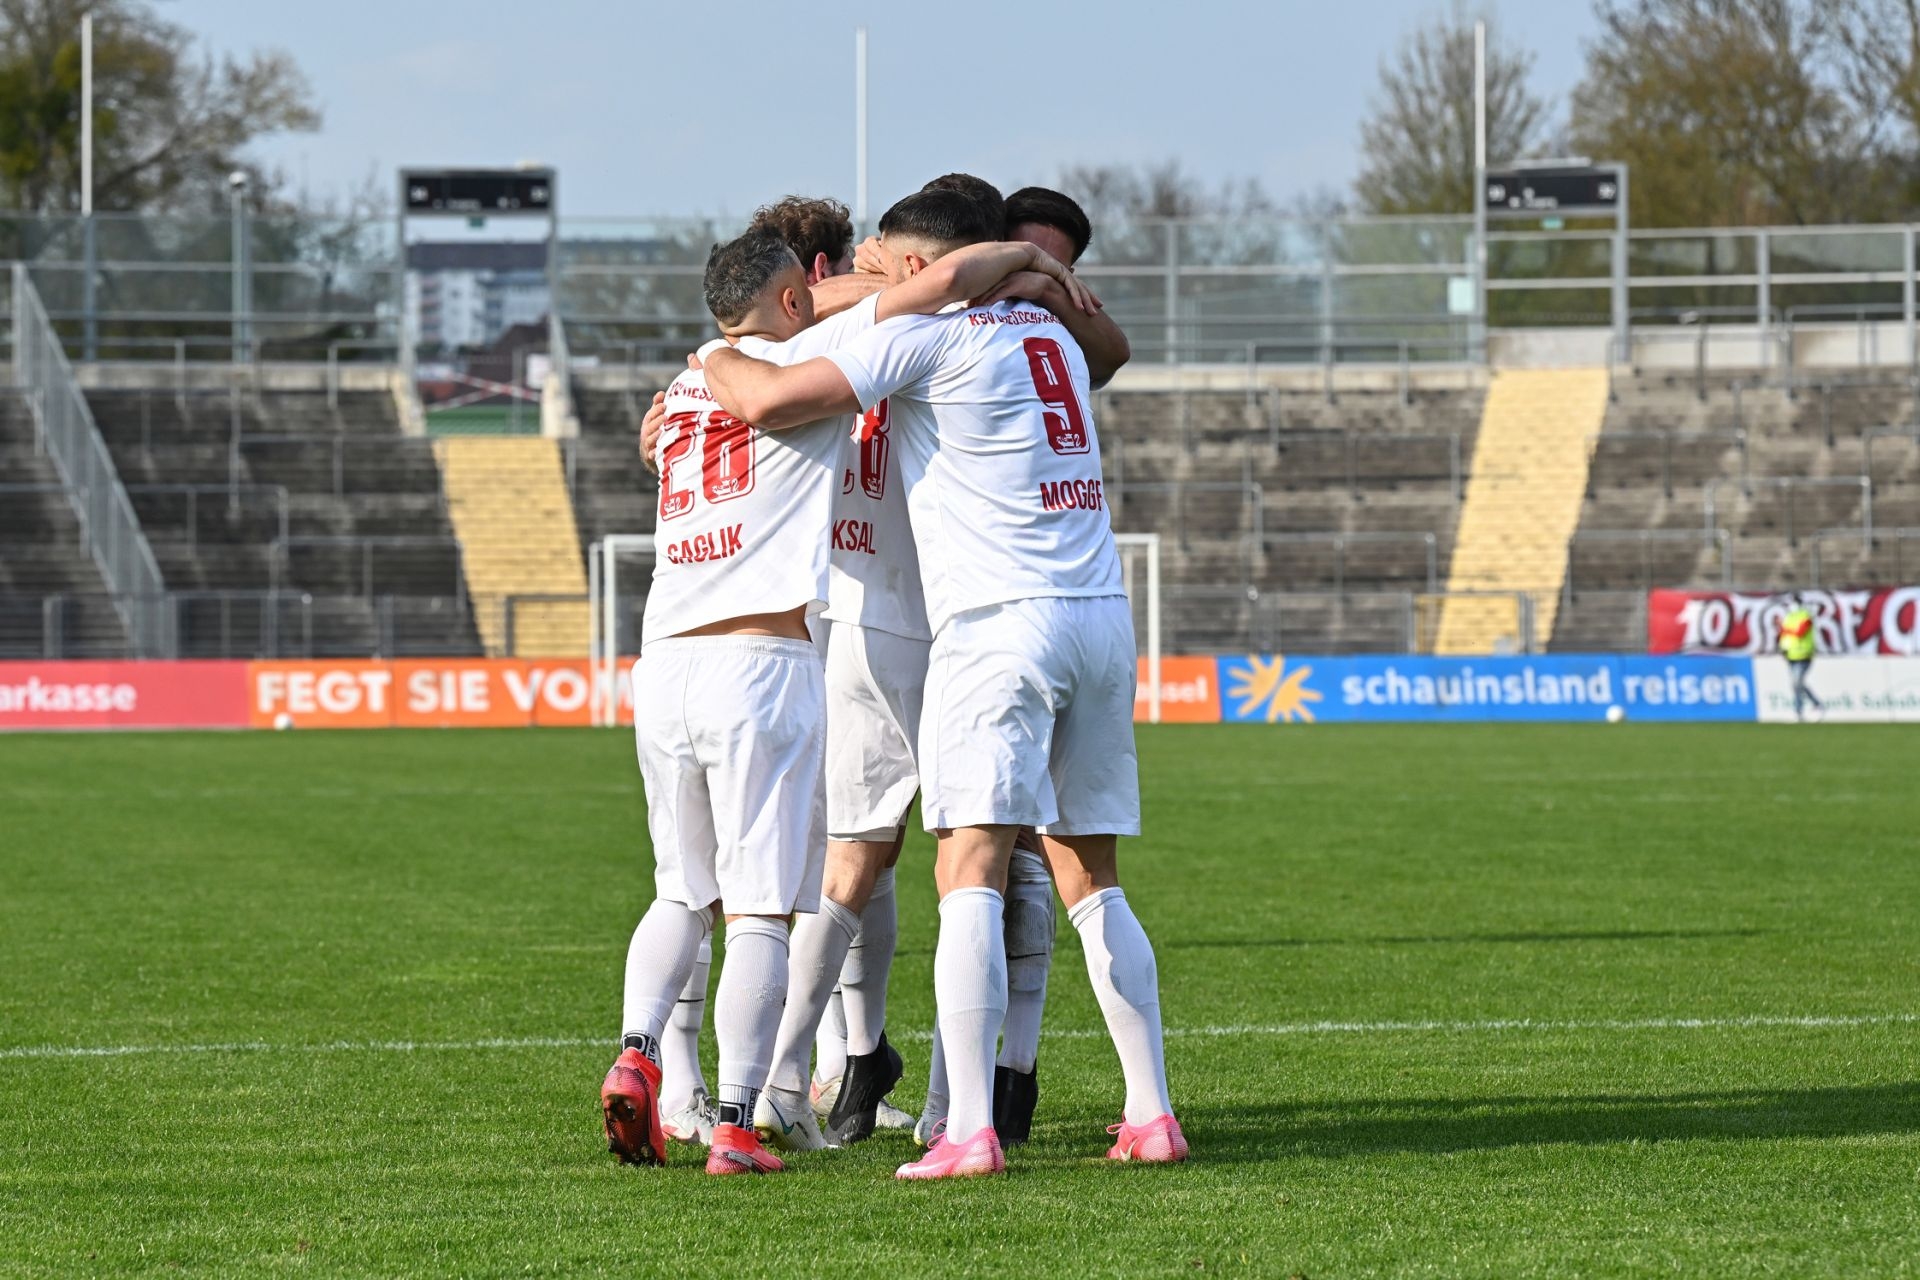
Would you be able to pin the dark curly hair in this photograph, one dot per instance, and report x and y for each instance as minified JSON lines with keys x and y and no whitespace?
{"x":810,"y":227}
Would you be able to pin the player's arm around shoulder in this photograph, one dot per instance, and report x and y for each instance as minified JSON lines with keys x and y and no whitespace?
{"x":1102,"y":341}
{"x":836,"y":294}
{"x":774,"y":397}
{"x":974,"y":272}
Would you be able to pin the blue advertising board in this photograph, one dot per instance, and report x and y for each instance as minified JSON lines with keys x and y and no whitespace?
{"x":1296,"y":689}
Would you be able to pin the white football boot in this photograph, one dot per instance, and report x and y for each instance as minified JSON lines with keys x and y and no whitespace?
{"x":784,"y":1119}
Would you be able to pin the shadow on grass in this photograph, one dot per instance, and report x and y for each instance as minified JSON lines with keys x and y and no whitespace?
{"x":1393,"y":940}
{"x":1439,"y":1125}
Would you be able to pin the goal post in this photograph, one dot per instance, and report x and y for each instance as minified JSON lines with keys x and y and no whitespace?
{"x":620,"y":566}
{"x":1140,"y":559}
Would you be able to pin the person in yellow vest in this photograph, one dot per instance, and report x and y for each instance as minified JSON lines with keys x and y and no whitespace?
{"x":1797,"y":645}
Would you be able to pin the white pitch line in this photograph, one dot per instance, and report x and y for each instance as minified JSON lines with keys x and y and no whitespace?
{"x":1493,"y":1026}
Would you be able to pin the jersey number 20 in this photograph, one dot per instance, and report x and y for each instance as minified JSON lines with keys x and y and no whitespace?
{"x":726,"y":460}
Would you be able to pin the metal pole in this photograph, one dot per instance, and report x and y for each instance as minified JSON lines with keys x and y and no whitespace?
{"x":86,"y":114}
{"x":1621,"y":334}
{"x":1479,"y":321}
{"x":1172,"y":355}
{"x":1763,"y":250}
{"x":236,"y":195}
{"x":1153,"y":630}
{"x":860,"y":128}
{"x":1906,"y":298}
{"x":87,"y":284}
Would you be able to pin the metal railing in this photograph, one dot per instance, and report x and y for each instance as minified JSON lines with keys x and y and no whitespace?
{"x":1899,"y":537}
{"x":1792,"y":485}
{"x":245,"y":624}
{"x":71,"y":439}
{"x":1214,"y":618}
{"x":1339,"y":542}
{"x":235,"y":496}
{"x":1884,"y":433}
{"x":280,"y":553}
{"x":513,"y":608}
{"x":1735,"y":439}
{"x":1352,"y":441}
{"x":1720,"y":539}
{"x":336,"y":444}
{"x":1179,"y":490}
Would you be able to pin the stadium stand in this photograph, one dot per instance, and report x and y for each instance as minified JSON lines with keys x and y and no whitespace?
{"x":291,"y":522}
{"x":1749,"y":483}
{"x":511,"y":509}
{"x":53,"y":602}
{"x":1529,"y":470}
{"x":612,"y":491}
{"x":1294,"y":519}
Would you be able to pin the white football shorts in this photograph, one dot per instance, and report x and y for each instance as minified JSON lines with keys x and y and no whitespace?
{"x":1029,"y":718}
{"x":731,"y":732}
{"x":875,"y":682}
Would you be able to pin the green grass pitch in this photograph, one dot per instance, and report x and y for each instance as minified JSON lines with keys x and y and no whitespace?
{"x":1446,"y":1001}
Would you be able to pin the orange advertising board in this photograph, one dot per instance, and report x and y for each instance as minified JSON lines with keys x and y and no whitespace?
{"x":466,"y":693}
{"x":1189,"y":691}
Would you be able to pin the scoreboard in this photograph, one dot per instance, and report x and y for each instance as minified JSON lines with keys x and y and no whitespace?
{"x":478,"y":191}
{"x":1593,"y":189}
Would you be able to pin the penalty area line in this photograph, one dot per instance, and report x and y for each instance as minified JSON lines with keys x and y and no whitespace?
{"x":1493,"y":1026}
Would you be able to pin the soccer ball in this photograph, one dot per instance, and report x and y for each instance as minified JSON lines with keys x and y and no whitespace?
{"x":1616,"y":713}
{"x":283,"y":721}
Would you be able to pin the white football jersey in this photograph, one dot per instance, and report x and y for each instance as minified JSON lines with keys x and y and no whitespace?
{"x":988,"y":409}
{"x":875,"y":579}
{"x":741,"y":509}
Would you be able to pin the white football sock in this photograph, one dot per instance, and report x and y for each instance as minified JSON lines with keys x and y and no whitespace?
{"x":659,"y":959}
{"x":1029,"y":956}
{"x":820,"y":944}
{"x":830,"y":1045}
{"x":970,"y":988}
{"x":680,"y":1074}
{"x":936,"y":1104}
{"x":863,"y":980}
{"x":1127,"y":985}
{"x":746,"y":1012}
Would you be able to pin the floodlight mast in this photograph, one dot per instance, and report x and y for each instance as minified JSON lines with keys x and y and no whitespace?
{"x":1480,"y":189}
{"x":860,"y":128}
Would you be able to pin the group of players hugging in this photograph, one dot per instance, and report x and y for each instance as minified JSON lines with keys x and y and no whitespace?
{"x":884,"y":567}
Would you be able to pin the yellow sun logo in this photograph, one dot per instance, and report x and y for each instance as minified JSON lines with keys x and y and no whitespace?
{"x":1264,"y":688}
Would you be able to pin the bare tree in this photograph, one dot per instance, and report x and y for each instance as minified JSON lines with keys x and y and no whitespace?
{"x":1418,"y":139}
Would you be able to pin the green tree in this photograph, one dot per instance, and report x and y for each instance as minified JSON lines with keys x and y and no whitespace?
{"x":1417,"y":140}
{"x":1733,"y":112}
{"x":170,"y":123}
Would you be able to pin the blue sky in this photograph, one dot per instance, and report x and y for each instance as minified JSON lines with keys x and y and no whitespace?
{"x":709,"y":108}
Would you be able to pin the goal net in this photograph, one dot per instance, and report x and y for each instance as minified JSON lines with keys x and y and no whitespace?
{"x":620,"y":568}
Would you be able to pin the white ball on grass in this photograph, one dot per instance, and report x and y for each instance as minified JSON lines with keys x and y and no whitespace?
{"x":1616,"y":713}
{"x":283,"y":721}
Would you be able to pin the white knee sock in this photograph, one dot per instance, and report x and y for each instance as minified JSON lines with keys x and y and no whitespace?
{"x":970,"y":987}
{"x":659,"y":960}
{"x":1127,"y":985}
{"x":1029,"y":931}
{"x":830,"y":1045}
{"x":863,"y":980}
{"x":936,"y":1104}
{"x":746,"y":1014}
{"x":680,"y":1074}
{"x":820,"y":943}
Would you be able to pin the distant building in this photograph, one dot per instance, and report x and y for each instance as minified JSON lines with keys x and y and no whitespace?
{"x":466,"y":294}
